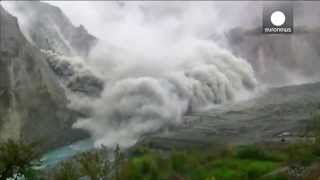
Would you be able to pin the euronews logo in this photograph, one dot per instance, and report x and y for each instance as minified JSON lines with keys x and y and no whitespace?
{"x":278,"y":20}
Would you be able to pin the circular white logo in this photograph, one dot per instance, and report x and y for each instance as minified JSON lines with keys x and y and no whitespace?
{"x":278,"y":18}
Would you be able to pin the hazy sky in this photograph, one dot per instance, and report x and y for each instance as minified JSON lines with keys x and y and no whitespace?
{"x":99,"y":16}
{"x":217,"y":15}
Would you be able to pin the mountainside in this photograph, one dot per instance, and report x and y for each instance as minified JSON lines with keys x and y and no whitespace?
{"x":33,"y":105}
{"x":48,"y":28}
{"x":281,"y":114}
{"x":279,"y":58}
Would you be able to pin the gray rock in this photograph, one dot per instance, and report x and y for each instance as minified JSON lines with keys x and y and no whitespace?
{"x":279,"y":58}
{"x":74,"y":76}
{"x":63,"y":69}
{"x":53,"y":32}
{"x":32,"y":104}
{"x":50,"y":29}
{"x":86,"y":84}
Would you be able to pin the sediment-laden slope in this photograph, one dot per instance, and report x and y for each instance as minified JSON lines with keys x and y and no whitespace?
{"x":283,"y":111}
{"x":279,"y":114}
{"x":32,"y":104}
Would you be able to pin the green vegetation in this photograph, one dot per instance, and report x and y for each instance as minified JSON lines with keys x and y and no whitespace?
{"x":247,"y":162}
{"x":315,"y":124}
{"x":230,"y":163}
{"x":94,"y":165}
{"x":269,"y":161}
{"x":66,"y":171}
{"x":16,"y":159}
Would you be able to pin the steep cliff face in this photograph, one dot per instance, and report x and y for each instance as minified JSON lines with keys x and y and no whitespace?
{"x":32,"y":104}
{"x":48,"y":28}
{"x":280,"y":58}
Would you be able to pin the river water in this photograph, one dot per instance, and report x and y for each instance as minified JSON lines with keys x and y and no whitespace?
{"x":53,"y":157}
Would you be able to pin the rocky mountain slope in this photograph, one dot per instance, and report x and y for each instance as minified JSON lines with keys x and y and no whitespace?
{"x":33,"y":106}
{"x":61,"y":42}
{"x":48,"y":28}
{"x":281,"y":114}
{"x":279,"y":58}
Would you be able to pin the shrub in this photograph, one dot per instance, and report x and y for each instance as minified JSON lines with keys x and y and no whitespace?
{"x":316,"y":130}
{"x":94,"y":165}
{"x":300,"y":153}
{"x":140,"y":168}
{"x":179,"y":161}
{"x":67,"y":171}
{"x":253,"y":152}
{"x":17,"y":157}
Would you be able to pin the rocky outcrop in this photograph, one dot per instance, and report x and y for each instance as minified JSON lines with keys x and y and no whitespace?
{"x":86,"y":84}
{"x":279,"y":58}
{"x":32,"y":104}
{"x":74,"y":74}
{"x":48,"y":28}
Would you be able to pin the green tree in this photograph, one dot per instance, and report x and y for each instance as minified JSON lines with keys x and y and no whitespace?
{"x":17,"y":157}
{"x":67,"y":171}
{"x":118,"y":162}
{"x":94,"y":164}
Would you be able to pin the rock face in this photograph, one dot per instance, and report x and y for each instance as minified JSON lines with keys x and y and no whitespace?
{"x":279,"y":58}
{"x":74,"y":75}
{"x":48,"y":28}
{"x":86,"y":84}
{"x":32,"y":104}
